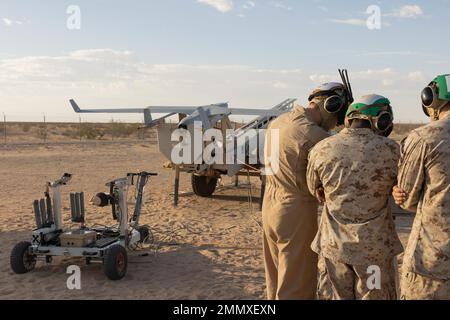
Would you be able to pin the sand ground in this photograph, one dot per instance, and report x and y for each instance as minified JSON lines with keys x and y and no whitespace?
{"x":204,"y":249}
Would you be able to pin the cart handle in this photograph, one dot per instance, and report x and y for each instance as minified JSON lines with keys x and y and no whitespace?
{"x":143,"y":173}
{"x":62,"y":181}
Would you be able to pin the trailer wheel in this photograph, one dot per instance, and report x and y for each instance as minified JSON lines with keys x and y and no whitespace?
{"x":115,"y":262}
{"x":21,"y":260}
{"x":203,"y":186}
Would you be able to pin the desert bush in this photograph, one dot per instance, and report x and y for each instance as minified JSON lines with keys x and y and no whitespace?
{"x":69,"y":133}
{"x":91,"y":131}
{"x":25,"y":127}
{"x":42,"y":132}
{"x":120,"y":129}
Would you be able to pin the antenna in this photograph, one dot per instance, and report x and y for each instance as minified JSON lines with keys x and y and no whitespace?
{"x":346,"y":82}
{"x":349,"y":86}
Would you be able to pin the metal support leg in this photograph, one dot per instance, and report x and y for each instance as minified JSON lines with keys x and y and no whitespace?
{"x":37,"y":214}
{"x":43,"y":211}
{"x":176,"y":186}
{"x":123,"y":223}
{"x":263,"y":190}
{"x":236,"y":180}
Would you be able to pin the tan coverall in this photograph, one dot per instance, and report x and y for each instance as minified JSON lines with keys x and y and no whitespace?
{"x":424,"y":173}
{"x":357,"y":170}
{"x":290,"y":212}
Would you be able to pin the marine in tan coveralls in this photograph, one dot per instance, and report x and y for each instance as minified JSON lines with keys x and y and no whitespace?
{"x":424,"y":186}
{"x":357,"y":169}
{"x":289,"y":211}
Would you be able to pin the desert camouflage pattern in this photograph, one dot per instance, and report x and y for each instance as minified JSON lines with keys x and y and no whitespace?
{"x":424,"y":173}
{"x":357,"y":170}
{"x":290,"y":212}
{"x":417,"y":287}
{"x":340,"y":281}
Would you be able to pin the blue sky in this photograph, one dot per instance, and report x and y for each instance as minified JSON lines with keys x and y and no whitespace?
{"x":251,"y":53}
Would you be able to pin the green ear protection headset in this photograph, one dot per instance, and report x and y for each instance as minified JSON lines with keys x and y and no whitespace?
{"x":436,"y":95}
{"x":376,"y":109}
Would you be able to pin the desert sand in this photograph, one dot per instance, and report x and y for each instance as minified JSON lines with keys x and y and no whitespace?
{"x":204,"y":249}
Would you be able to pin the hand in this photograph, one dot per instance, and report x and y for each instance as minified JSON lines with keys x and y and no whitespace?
{"x":320,"y":194}
{"x":400,"y":196}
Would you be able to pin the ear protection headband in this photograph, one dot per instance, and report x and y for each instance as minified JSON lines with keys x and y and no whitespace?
{"x":382,"y":123}
{"x":333,"y":103}
{"x":436,"y":95}
{"x":337,"y":103}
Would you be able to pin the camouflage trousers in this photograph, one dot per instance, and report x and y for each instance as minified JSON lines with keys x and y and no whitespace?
{"x":417,"y":287}
{"x":340,"y":281}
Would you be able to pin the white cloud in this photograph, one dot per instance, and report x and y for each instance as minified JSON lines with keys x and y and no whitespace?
{"x":435,"y":61}
{"x":249,"y":5}
{"x":408,"y":11}
{"x":32,"y":85}
{"x":220,"y":5}
{"x":281,"y":5}
{"x":405,"y":12}
{"x":280,"y":85}
{"x":387,"y":82}
{"x":373,"y":73}
{"x":391,"y":53}
{"x":352,"y":22}
{"x":417,"y":76}
{"x":322,"y":78}
{"x":383,"y":76}
{"x":107,"y":77}
{"x":9,"y":22}
{"x":357,"y":22}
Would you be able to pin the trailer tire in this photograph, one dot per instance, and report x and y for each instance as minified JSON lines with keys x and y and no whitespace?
{"x":21,"y":260}
{"x":203,"y":186}
{"x":115,"y":262}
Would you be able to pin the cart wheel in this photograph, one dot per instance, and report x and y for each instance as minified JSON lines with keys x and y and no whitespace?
{"x":146,"y":235}
{"x":115,"y":262}
{"x":21,"y":260}
{"x":203,"y":186}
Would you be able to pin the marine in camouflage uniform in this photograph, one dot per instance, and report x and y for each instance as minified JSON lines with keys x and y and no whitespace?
{"x":424,"y":174}
{"x":289,"y":211}
{"x":357,"y":169}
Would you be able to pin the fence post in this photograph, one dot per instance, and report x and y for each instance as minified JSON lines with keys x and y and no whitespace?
{"x":112,"y":129}
{"x":81,"y":137}
{"x":4,"y":127}
{"x":45,"y":131}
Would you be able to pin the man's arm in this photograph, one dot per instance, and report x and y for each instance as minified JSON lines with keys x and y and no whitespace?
{"x":411,"y":171}
{"x":313,"y":179}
